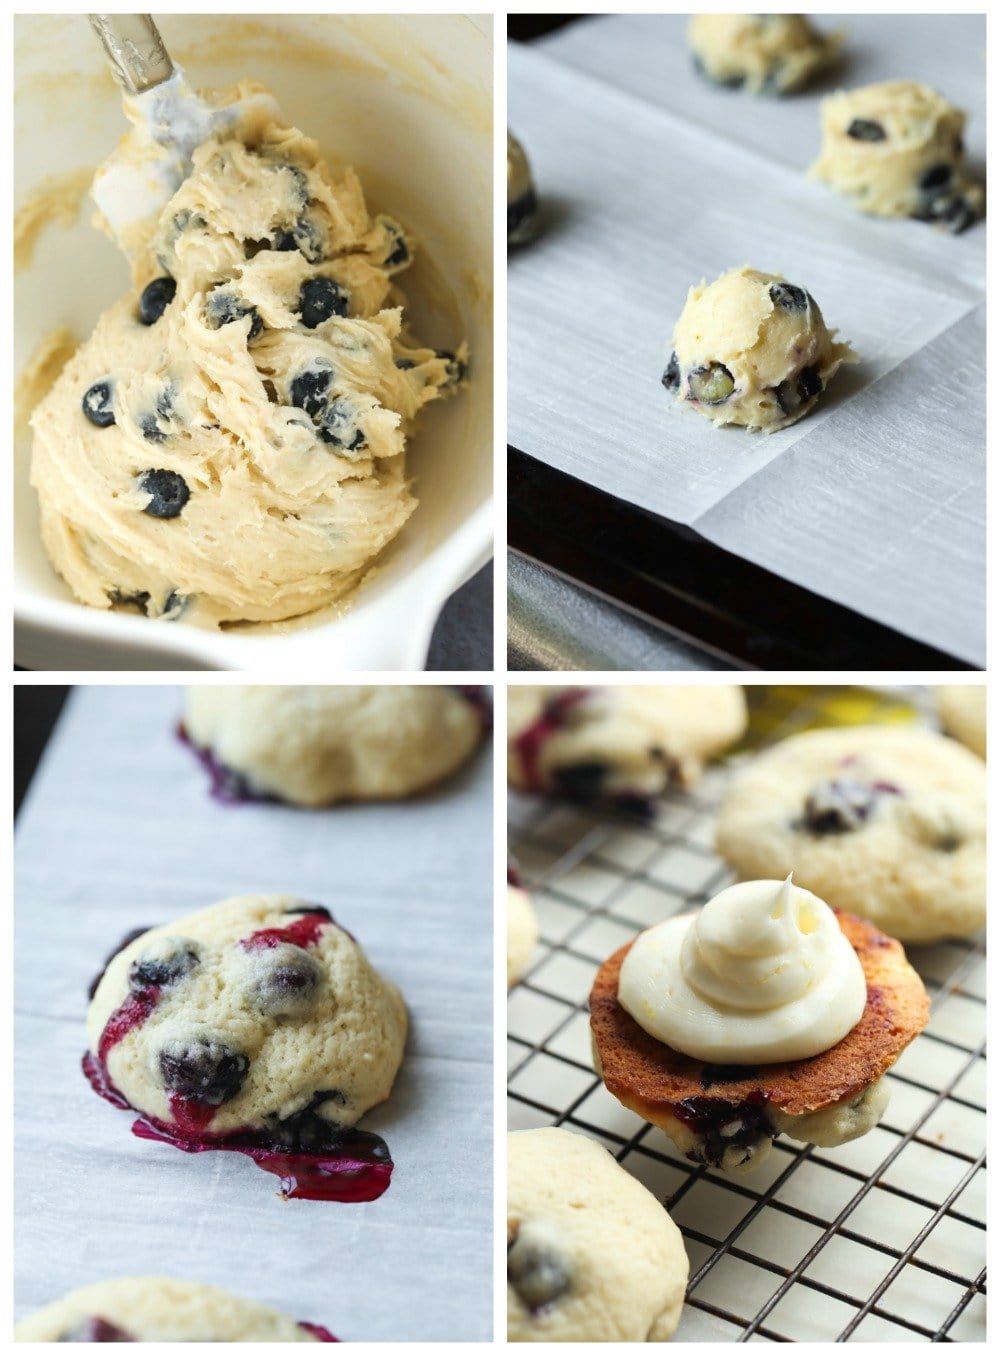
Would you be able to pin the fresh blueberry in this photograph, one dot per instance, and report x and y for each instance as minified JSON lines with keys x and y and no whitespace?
{"x":864,"y":129}
{"x":310,"y":389}
{"x":456,"y":370}
{"x":399,"y":250}
{"x":168,"y":493}
{"x":839,"y":806}
{"x":321,"y":298}
{"x":165,"y":962}
{"x":935,"y":177}
{"x":538,"y":1275}
{"x":788,"y":296}
{"x":203,"y":1070}
{"x":338,"y":426}
{"x":712,"y":384}
{"x":224,"y":307}
{"x":672,"y":376}
{"x":405,"y":364}
{"x":286,"y":980}
{"x":156,"y":297}
{"x":796,"y":391}
{"x":303,"y":237}
{"x":96,"y":404}
{"x":285,"y":242}
{"x":951,"y":212}
{"x":149,"y":427}
{"x":119,"y":598}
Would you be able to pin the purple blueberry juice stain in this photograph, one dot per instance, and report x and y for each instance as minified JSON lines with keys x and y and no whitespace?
{"x":321,"y":1334}
{"x":227,"y":787}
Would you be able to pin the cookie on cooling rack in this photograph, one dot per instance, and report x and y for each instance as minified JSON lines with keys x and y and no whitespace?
{"x":962,"y":713}
{"x":258,"y":1025}
{"x":522,"y":928}
{"x":617,"y":745}
{"x":158,"y":1309}
{"x":885,"y":822}
{"x":765,"y":1013}
{"x":323,"y":745}
{"x":592,"y":1255}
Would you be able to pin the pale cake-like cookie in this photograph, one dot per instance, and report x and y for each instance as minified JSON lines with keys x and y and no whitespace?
{"x":962,"y":713}
{"x":160,"y":1309}
{"x":885,"y":822}
{"x":592,"y":1255}
{"x":622,"y":744}
{"x":323,"y":745}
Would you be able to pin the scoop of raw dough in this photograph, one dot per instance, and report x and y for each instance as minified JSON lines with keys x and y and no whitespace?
{"x":761,"y":53}
{"x":896,"y":150}
{"x":752,"y":349}
{"x":522,"y":201}
{"x":228,"y":445}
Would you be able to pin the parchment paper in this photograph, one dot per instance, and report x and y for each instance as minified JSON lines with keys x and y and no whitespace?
{"x":653,"y":180}
{"x":118,"y":831}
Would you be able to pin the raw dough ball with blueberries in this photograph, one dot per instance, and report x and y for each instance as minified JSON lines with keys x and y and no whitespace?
{"x":753,"y":349}
{"x":321,"y":745}
{"x":761,"y":53}
{"x":962,"y":713}
{"x":258,"y":1013}
{"x":592,"y":1255}
{"x":522,"y":201}
{"x":897,"y":150}
{"x":228,"y":445}
{"x":159,"y":1309}
{"x":885,"y":822}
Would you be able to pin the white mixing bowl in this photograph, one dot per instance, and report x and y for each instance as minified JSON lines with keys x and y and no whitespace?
{"x":408,"y":102}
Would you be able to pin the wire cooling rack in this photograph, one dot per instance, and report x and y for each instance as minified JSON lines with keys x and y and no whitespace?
{"x":882,"y":1239}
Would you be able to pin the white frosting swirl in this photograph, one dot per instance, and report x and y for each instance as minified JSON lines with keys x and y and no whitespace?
{"x":760,"y":975}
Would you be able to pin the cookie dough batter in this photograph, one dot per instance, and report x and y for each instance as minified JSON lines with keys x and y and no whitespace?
{"x":322,"y":745}
{"x":896,"y":150}
{"x":159,"y":1309}
{"x":617,"y":743}
{"x":522,"y":932}
{"x":522,"y":201}
{"x":761,"y":53}
{"x":752,"y":349}
{"x":228,"y":445}
{"x":882,"y":822}
{"x":258,"y":1013}
{"x":592,"y":1255}
{"x":962,"y":712}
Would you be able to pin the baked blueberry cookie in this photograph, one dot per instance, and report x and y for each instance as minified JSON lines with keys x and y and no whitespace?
{"x":962,"y":713}
{"x":760,"y":53}
{"x":160,"y":1309}
{"x":617,"y":745}
{"x":323,"y":745}
{"x":522,"y":928}
{"x":592,"y":1255}
{"x":897,"y":150}
{"x":257,"y":1025}
{"x":753,"y":349}
{"x":764,"y":1013}
{"x":885,"y":822}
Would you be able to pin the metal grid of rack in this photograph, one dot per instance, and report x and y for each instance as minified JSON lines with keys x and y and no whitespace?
{"x":882,"y":1239}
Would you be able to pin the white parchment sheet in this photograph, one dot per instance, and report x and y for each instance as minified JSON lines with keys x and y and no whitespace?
{"x":653,"y":180}
{"x":119,"y":831}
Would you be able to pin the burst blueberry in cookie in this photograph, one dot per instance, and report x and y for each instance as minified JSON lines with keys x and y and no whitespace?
{"x":257,"y":1025}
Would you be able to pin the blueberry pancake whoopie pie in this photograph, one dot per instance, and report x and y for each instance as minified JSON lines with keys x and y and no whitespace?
{"x":257,"y":1025}
{"x":763,"y":1013}
{"x":592,"y":1255}
{"x":324,"y":745}
{"x":617,"y":745}
{"x":159,"y":1309}
{"x":882,"y":821}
